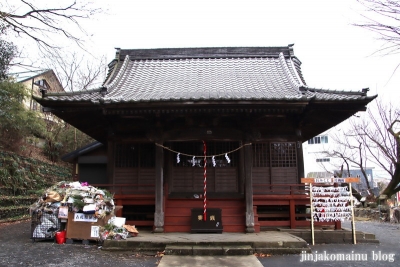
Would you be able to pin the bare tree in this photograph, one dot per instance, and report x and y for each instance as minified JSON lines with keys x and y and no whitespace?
{"x":374,"y":138}
{"x":42,"y":22}
{"x":383,"y":143}
{"x":351,"y":153}
{"x":76,"y":71}
{"x":383,"y":18}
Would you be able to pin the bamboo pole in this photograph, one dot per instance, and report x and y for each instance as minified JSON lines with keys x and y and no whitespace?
{"x":353,"y":226}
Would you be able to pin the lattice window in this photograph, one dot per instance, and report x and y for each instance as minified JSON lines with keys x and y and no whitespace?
{"x":261,"y":155}
{"x":283,"y":155}
{"x":318,"y":140}
{"x":135,"y":155}
{"x":323,"y":160}
{"x":213,"y":148}
{"x":147,"y":156}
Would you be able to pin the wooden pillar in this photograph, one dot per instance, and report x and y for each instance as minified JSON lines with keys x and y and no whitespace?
{"x":110,"y":160}
{"x":300,"y":161}
{"x":300,"y":173}
{"x":159,"y":214}
{"x":75,"y":171}
{"x":248,"y":163}
{"x":119,"y":203}
{"x":292,"y":209}
{"x":241,"y":173}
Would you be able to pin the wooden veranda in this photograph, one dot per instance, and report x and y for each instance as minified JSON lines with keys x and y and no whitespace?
{"x":275,"y":206}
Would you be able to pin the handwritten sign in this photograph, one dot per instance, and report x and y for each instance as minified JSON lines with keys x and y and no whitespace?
{"x":63,"y":212}
{"x":323,"y":180}
{"x":95,"y":230}
{"x":330,"y":180}
{"x":80,"y":217}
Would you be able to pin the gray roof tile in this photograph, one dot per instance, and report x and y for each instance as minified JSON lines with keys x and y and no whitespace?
{"x":204,"y":79}
{"x":164,"y":76}
{"x":320,"y":94}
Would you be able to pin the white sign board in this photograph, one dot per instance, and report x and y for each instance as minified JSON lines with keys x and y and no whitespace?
{"x":95,"y":231}
{"x":81,"y":217}
{"x":323,"y":180}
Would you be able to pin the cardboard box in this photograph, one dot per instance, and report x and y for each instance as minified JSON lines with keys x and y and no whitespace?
{"x":82,"y":227}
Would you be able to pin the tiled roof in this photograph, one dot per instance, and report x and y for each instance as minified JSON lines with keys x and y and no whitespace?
{"x":28,"y":75}
{"x":333,"y":95}
{"x":229,"y":74}
{"x":80,"y":151}
{"x":203,"y":79}
{"x":88,"y":95}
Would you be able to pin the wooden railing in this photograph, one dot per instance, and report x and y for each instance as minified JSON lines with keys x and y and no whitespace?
{"x":266,"y":198}
{"x":132,"y":194}
{"x":277,"y":205}
{"x":280,"y":189}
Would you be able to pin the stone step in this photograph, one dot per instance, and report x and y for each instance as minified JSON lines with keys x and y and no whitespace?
{"x":300,"y":243}
{"x":208,"y":250}
{"x":231,"y":250}
{"x":273,"y":242}
{"x":344,"y":236}
{"x":13,"y":211}
{"x":282,"y":251}
{"x":215,"y":261}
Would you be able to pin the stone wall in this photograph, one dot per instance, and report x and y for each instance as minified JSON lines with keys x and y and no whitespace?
{"x":378,"y":214}
{"x":22,"y":181}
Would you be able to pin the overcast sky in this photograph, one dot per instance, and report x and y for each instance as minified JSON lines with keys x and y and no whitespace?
{"x":335,"y":54}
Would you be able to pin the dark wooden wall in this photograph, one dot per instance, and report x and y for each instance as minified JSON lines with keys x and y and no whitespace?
{"x":273,"y":163}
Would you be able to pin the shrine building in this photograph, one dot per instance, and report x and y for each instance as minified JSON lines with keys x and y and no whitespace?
{"x":185,"y":130}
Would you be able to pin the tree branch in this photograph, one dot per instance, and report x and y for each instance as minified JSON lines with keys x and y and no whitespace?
{"x":37,"y":23}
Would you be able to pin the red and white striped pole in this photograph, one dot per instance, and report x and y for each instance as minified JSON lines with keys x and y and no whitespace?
{"x":205,"y":181}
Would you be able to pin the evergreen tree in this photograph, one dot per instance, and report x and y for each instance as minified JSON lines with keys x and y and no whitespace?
{"x":7,"y":53}
{"x":15,"y":121}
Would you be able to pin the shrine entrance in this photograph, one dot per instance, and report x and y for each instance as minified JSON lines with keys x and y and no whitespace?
{"x":203,"y":187}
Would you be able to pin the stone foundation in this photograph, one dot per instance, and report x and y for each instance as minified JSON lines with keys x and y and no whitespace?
{"x":376,"y":214}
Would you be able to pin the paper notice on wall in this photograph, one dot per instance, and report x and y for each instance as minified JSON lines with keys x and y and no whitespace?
{"x":95,"y":231}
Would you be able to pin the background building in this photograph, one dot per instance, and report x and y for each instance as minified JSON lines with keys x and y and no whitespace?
{"x":318,"y":164}
{"x":35,"y":81}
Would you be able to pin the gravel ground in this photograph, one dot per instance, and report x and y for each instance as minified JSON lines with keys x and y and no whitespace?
{"x":376,"y":255}
{"x":17,"y":249}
